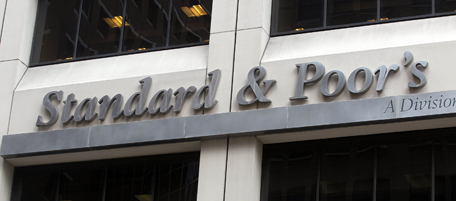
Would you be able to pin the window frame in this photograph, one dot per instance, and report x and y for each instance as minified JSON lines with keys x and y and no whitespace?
{"x":121,"y":40}
{"x":326,"y":28}
{"x":434,"y":136}
{"x":107,"y":165}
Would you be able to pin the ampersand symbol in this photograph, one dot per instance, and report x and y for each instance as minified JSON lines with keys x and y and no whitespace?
{"x":254,"y":85}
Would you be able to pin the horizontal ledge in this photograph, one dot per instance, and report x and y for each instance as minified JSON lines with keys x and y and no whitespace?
{"x":251,"y":122}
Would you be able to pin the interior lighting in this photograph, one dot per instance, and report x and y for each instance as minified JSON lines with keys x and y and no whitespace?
{"x":115,"y":22}
{"x":142,"y":48}
{"x":384,"y":18}
{"x":372,"y":20}
{"x":299,"y":29}
{"x":145,"y":197}
{"x":194,"y":11}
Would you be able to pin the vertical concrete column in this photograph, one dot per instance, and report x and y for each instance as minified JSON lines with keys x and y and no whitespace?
{"x":221,"y":51}
{"x":2,"y":13}
{"x":15,"y":52}
{"x":6,"y":179}
{"x":243,"y":176}
{"x":12,"y":72}
{"x":251,"y":40}
{"x":18,"y":30}
{"x":211,"y":184}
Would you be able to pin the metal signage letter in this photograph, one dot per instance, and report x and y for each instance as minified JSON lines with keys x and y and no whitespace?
{"x":50,"y":108}
{"x":302,"y":71}
{"x":254,"y":85}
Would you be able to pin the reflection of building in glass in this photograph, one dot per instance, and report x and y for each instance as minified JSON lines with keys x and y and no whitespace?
{"x":97,"y":26}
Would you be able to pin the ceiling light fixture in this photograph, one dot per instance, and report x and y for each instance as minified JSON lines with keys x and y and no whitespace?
{"x":194,"y":11}
{"x":115,"y":22}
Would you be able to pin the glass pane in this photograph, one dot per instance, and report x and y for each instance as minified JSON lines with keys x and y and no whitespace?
{"x":347,"y":173}
{"x":442,"y":6}
{"x":190,"y":22}
{"x":445,"y":169}
{"x":297,"y":15}
{"x":132,"y":182}
{"x":351,"y":11}
{"x":81,"y":184}
{"x":55,"y":30}
{"x":148,"y":24}
{"x":101,"y":23}
{"x":177,"y":182}
{"x":40,"y":186}
{"x":404,"y":170}
{"x":293,"y":176}
{"x":391,"y":9}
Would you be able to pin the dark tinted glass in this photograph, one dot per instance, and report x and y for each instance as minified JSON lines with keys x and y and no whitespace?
{"x":347,"y":173}
{"x":442,"y":6}
{"x":39,"y":186}
{"x":130,"y":182}
{"x":85,"y":184}
{"x":190,"y":21}
{"x":177,"y":181}
{"x":172,"y":177}
{"x":101,"y":23}
{"x":445,"y":169}
{"x":351,"y":11}
{"x":55,"y":30}
{"x":110,"y":27}
{"x":148,"y":24}
{"x":389,"y":167}
{"x":390,"y":9}
{"x":297,"y":15}
{"x":293,"y":176}
{"x":404,"y":170}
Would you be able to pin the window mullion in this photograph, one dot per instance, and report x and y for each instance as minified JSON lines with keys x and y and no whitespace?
{"x":152,"y":186}
{"x":433,"y":6}
{"x":168,"y":31}
{"x":122,"y":29}
{"x":433,"y":171}
{"x":105,"y":183}
{"x":374,"y":192}
{"x":378,"y":10}
{"x":76,"y":41}
{"x":325,"y":12}
{"x":58,"y":187}
{"x":320,"y":154}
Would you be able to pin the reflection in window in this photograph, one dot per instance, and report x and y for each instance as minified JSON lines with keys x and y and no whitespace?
{"x":353,"y":177}
{"x":404,"y":170}
{"x":73,"y":29}
{"x":173,"y":177}
{"x":291,"y":16}
{"x":413,"y":166}
{"x":342,"y":12}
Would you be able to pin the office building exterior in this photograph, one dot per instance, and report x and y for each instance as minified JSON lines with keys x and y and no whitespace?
{"x":257,"y":100}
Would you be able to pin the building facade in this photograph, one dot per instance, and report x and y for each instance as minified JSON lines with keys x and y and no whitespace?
{"x":256,"y":82}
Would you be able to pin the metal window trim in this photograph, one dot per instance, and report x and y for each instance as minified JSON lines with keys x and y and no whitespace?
{"x":119,"y":53}
{"x":327,"y":28}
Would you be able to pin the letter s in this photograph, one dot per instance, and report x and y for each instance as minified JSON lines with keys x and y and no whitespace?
{"x":50,"y":108}
{"x":417,"y":73}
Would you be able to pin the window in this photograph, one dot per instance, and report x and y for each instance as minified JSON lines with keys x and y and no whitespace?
{"x":291,"y":16}
{"x":72,"y":29}
{"x":158,"y":178}
{"x":418,"y":166}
